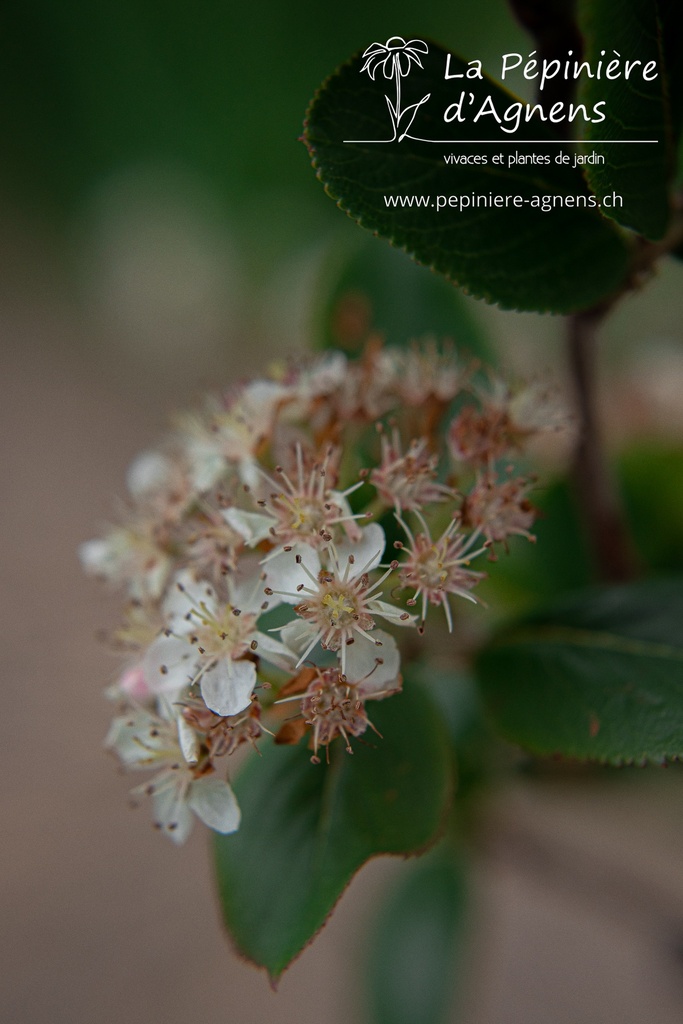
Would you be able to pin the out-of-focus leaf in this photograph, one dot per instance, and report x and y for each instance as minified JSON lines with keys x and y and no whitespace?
{"x":416,"y":946}
{"x":378,"y":290}
{"x":218,"y":91}
{"x":652,"y":485}
{"x":650,"y":481}
{"x":459,"y":701}
{"x":532,"y":573}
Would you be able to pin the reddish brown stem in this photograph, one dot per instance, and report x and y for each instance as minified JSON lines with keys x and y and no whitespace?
{"x":611,"y":545}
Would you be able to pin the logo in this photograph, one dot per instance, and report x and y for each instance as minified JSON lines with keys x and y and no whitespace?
{"x":465,"y":96}
{"x":395,"y":58}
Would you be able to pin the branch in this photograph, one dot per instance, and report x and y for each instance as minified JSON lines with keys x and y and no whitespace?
{"x":612,"y":549}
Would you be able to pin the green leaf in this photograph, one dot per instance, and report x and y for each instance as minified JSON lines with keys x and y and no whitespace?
{"x":646,"y":30}
{"x":377,"y":289}
{"x":551,"y":22}
{"x":651,"y":476}
{"x":413,"y":963}
{"x":474,"y":746}
{"x":533,"y":573}
{"x":308,"y":828}
{"x":599,"y":677}
{"x":522,"y":258}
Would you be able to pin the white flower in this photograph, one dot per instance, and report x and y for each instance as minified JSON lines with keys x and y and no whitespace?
{"x":536,"y":407}
{"x":312,"y":381}
{"x":161,"y":489}
{"x":499,"y":509}
{"x":300,"y":508}
{"x":337,"y":605}
{"x":181,"y":787}
{"x":408,"y":482}
{"x":252,"y":504}
{"x":425,"y":372}
{"x":508,"y":419}
{"x":211,"y":644}
{"x":437,"y":568}
{"x":132,"y":685}
{"x":232,"y":435}
{"x":334,"y":705}
{"x":129,"y":555}
{"x":148,"y":473}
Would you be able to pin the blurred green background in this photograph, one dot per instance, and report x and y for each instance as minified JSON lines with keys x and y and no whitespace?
{"x":216,"y":89}
{"x":153,"y":153}
{"x":157,"y":149}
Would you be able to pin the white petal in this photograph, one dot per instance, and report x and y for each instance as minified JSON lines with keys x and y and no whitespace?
{"x":167,"y":709}
{"x":207,"y":467}
{"x":214,"y":802}
{"x":249,"y":471}
{"x":329,"y":373}
{"x":154,"y":580}
{"x":252,"y":526}
{"x":260,"y":398}
{"x":133,"y":685}
{"x":392,"y":613}
{"x":228,"y":685}
{"x":362,"y":663}
{"x":274,"y":651}
{"x":147,"y":473}
{"x":180,"y":602}
{"x":132,"y":738}
{"x":169,"y":665}
{"x":246,"y":591}
{"x":188,"y":739}
{"x":284,"y":574}
{"x":297,"y":634}
{"x":96,"y":556}
{"x":367,"y":552}
{"x":353,"y":531}
{"x":172,"y":813}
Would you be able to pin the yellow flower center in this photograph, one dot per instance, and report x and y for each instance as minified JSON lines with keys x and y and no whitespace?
{"x":224,"y":634}
{"x":339,"y":608}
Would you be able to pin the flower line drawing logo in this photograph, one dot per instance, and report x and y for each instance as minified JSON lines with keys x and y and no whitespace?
{"x":396,"y":58}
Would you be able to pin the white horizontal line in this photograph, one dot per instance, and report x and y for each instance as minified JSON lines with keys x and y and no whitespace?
{"x":519,"y":142}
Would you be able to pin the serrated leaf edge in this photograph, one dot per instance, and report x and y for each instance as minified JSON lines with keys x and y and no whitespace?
{"x":448,"y":797}
{"x":475,"y":293}
{"x":587,"y":638}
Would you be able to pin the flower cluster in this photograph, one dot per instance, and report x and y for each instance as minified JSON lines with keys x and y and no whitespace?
{"x":253,"y":556}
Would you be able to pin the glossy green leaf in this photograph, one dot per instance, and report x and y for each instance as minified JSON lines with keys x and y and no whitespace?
{"x":522,"y":258}
{"x":414,"y":960}
{"x":598,"y":677}
{"x":634,"y":109}
{"x":306,"y":829}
